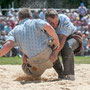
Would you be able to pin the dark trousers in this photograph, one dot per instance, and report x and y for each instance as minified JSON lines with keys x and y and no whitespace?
{"x":67,"y":58}
{"x":80,"y":16}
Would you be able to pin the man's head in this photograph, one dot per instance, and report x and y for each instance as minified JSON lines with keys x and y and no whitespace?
{"x":82,"y":4}
{"x":35,"y":12}
{"x":44,"y":10}
{"x":12,"y":10}
{"x":24,"y":13}
{"x":3,"y":33}
{"x":51,"y":16}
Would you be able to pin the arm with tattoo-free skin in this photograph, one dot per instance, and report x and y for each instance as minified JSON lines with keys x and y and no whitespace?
{"x":62,"y":42}
{"x":54,"y":55}
{"x":6,"y":47}
{"x":50,"y":30}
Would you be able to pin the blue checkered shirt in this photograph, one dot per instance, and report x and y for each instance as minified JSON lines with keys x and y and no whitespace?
{"x":30,"y":36}
{"x":65,"y":26}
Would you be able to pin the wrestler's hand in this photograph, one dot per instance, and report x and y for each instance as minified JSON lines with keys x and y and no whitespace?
{"x":53,"y":57}
{"x":24,"y":58}
{"x":55,"y":44}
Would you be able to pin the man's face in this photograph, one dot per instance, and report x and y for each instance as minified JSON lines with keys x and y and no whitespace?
{"x":53,"y":21}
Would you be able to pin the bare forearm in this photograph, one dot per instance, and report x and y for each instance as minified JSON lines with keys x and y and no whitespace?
{"x":51,"y":32}
{"x":55,"y":52}
{"x":62,"y":42}
{"x":59,"y":49}
{"x":6,"y":48}
{"x":3,"y":51}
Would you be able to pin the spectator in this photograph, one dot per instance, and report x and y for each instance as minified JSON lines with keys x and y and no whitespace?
{"x":15,"y":18}
{"x":88,"y":43}
{"x":42,"y":14}
{"x":75,"y":14}
{"x":3,"y":37}
{"x":82,"y":10}
{"x":2,"y":24}
{"x":0,"y":13}
{"x":71,"y":17}
{"x":7,"y":28}
{"x":12,"y":22}
{"x":85,"y":41}
{"x":35,"y":14}
{"x":11,"y":12}
{"x":89,"y":27}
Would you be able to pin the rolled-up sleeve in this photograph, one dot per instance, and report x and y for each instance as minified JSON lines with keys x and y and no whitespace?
{"x":67,"y":27}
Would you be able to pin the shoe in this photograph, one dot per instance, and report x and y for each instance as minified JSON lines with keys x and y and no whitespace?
{"x":70,"y":77}
{"x":66,"y":77}
{"x":61,"y":76}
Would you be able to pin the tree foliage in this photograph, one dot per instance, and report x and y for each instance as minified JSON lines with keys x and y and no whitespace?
{"x":17,"y":3}
{"x":67,"y":3}
{"x":5,"y":3}
{"x":50,"y":3}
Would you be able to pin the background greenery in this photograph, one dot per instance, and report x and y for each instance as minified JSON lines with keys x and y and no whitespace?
{"x":16,"y":60}
{"x":50,"y":3}
{"x":5,"y":3}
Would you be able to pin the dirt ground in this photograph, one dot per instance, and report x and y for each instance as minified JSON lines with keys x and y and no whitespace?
{"x":13,"y":78}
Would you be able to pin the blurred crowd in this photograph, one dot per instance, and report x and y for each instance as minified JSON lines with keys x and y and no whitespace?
{"x":80,"y":18}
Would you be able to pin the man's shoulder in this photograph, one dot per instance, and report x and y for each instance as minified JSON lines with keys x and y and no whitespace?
{"x":38,"y":21}
{"x":16,"y":28}
{"x":33,"y":21}
{"x":62,"y":16}
{"x":79,"y":7}
{"x":84,"y":7}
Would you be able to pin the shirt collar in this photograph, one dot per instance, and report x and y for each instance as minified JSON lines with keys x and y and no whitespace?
{"x":24,"y":20}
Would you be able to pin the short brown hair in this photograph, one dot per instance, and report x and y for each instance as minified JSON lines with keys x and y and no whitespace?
{"x":24,"y":13}
{"x":50,"y":13}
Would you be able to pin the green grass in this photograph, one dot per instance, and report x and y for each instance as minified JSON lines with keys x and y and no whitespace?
{"x":18,"y":61}
{"x":10,"y":60}
{"x":82,"y":60}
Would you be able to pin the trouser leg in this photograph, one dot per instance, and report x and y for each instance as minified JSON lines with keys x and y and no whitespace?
{"x":31,"y":71}
{"x":37,"y":65}
{"x":68,"y":56}
{"x":58,"y":68}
